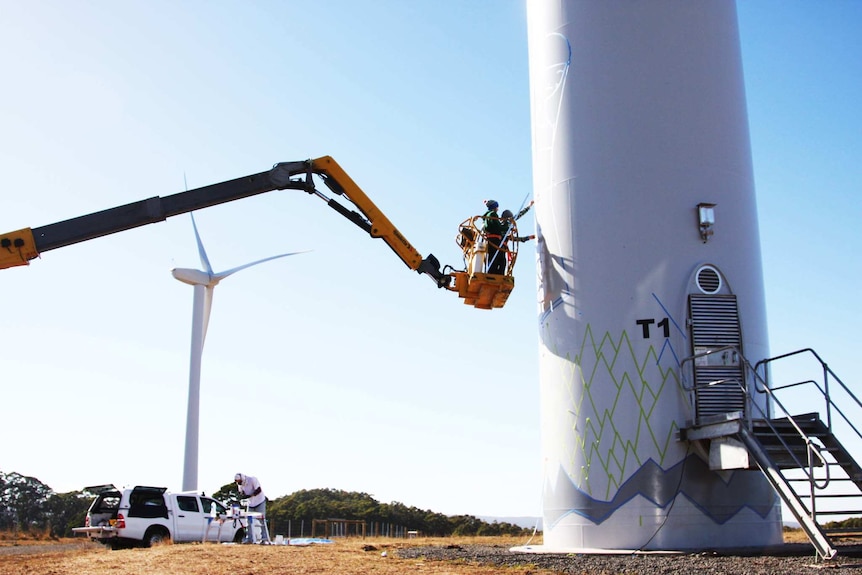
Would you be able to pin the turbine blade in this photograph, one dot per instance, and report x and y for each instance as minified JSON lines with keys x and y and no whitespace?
{"x":203,"y":253}
{"x":221,"y":275}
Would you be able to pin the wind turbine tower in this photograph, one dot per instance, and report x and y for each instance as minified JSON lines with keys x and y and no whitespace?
{"x":204,"y":282}
{"x":648,"y":258}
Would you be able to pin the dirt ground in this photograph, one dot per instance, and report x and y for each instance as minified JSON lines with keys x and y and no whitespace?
{"x":344,"y":557}
{"x":378,"y":556}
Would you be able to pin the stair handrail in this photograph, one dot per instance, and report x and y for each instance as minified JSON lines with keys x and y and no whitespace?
{"x":833,"y":405}
{"x":813,"y":485}
{"x":824,"y":390}
{"x":759,"y":382}
{"x":811,"y":448}
{"x":760,"y":376}
{"x":747,"y":368}
{"x":711,"y":351}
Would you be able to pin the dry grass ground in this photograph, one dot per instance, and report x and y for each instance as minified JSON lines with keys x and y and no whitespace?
{"x":377,"y":556}
{"x":344,"y":557}
{"x":795,"y":536}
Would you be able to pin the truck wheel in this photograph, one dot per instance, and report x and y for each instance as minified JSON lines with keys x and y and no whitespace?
{"x":239,"y":536}
{"x":155,"y":536}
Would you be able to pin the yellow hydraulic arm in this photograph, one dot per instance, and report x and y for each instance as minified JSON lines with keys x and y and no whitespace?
{"x":19,"y":247}
{"x":369,"y":217}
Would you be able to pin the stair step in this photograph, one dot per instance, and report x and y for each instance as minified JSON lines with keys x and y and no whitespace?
{"x":793,"y":441}
{"x":784,"y":460}
{"x":831,"y":479}
{"x":792,"y":434}
{"x":809,"y":423}
{"x":843,"y":532}
{"x":833,"y":496}
{"x":798,"y":446}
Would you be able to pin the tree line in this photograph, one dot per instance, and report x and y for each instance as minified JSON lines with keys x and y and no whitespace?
{"x":27,"y":504}
{"x":308,"y":504}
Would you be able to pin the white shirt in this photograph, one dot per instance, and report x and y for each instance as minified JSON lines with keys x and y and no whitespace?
{"x":249,"y":486}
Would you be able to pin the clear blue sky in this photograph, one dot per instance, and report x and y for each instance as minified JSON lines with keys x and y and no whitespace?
{"x":341,"y":368}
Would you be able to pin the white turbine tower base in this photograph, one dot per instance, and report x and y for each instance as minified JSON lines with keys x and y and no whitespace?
{"x":204,"y":282}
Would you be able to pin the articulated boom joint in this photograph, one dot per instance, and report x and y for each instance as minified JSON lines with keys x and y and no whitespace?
{"x":282,"y":174}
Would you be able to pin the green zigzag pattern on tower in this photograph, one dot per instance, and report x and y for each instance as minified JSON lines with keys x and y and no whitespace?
{"x":615,"y":459}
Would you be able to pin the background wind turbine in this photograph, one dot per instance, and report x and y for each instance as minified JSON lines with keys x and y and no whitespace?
{"x":204,"y":282}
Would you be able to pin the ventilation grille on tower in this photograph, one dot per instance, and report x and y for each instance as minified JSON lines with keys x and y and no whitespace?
{"x":719,"y":378}
{"x":708,"y":280}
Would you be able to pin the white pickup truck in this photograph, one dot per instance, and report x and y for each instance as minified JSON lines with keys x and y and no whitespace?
{"x":149,"y":515}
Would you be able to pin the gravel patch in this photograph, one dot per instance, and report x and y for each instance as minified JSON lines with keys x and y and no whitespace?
{"x":786,"y":560}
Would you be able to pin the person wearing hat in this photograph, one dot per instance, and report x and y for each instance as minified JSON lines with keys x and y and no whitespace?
{"x":509,"y":223}
{"x":494,"y":229}
{"x":249,"y":488}
{"x":506,"y":216}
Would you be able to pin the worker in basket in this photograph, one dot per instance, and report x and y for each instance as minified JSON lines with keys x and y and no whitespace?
{"x":494,"y":229}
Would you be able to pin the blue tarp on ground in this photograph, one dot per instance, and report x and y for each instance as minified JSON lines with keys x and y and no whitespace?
{"x":307,"y":541}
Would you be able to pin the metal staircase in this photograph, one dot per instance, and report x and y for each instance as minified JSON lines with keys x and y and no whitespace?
{"x":800,"y":455}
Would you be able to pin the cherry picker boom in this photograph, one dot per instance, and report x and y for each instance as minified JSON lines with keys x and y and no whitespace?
{"x":481,"y":290}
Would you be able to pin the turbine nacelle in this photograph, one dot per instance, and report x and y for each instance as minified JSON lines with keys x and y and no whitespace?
{"x":192,"y":276}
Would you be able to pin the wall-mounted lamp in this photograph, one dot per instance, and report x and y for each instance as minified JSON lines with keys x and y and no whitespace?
{"x":706,"y":219}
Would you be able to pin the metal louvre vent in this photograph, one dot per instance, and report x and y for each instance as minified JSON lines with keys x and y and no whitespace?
{"x":708,"y":280}
{"x":719,"y":391}
{"x":715,"y":321}
{"x":717,"y":377}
